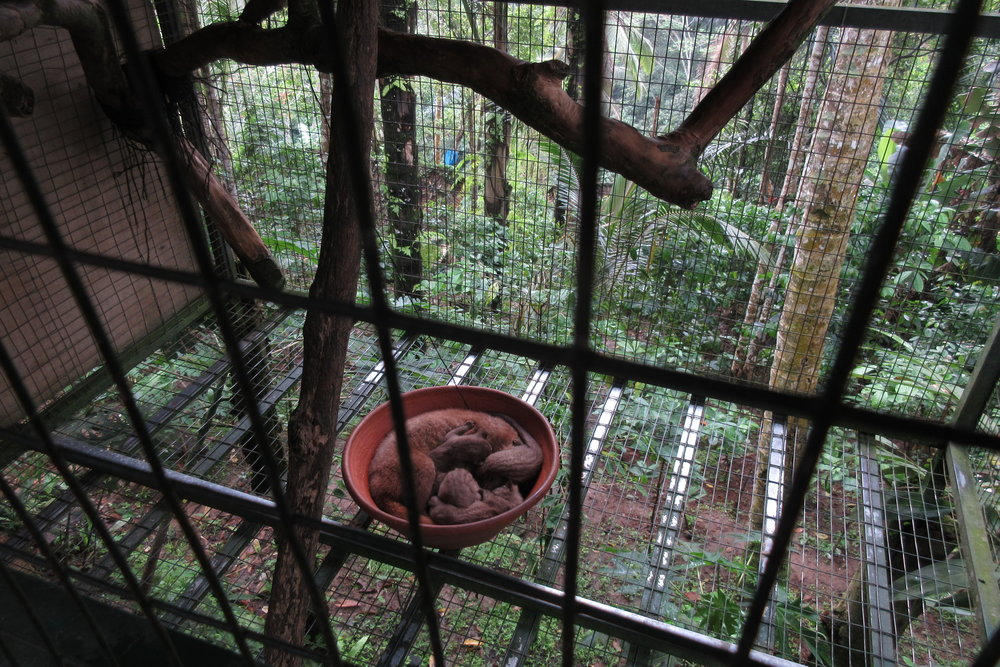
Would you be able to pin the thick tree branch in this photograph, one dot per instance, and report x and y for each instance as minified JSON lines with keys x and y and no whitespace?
{"x":533,"y":92}
{"x":240,"y":41}
{"x":769,"y":50}
{"x":230,"y":220}
{"x":664,"y":165}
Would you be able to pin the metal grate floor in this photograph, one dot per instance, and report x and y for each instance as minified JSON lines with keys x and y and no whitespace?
{"x":671,"y":531}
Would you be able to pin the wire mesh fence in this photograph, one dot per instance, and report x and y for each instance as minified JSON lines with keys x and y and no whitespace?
{"x":688,"y":469}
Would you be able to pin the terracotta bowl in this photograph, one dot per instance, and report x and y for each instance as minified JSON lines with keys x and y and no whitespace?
{"x":360,"y":449}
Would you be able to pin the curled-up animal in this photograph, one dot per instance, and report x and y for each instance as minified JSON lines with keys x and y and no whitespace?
{"x":493,"y":502}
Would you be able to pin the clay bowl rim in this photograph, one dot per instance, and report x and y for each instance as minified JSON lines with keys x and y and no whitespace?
{"x":462,"y":396}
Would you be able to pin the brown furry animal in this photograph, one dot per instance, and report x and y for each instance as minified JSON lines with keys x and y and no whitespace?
{"x":458,"y":488}
{"x":518,"y":464}
{"x":426,"y":432}
{"x":493,"y":502}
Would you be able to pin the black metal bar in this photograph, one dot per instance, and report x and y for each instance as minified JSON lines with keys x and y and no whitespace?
{"x":671,"y":521}
{"x":196,"y":591}
{"x":532,"y":596}
{"x":56,"y":509}
{"x":901,"y":19}
{"x":405,"y":635}
{"x":29,"y":612}
{"x":343,"y":101}
{"x":143,"y":82}
{"x":593,"y":79}
{"x":556,"y":552}
{"x":879,"y":616}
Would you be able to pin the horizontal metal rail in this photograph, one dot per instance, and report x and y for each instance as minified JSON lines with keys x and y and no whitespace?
{"x":53,"y":513}
{"x":533,"y":597}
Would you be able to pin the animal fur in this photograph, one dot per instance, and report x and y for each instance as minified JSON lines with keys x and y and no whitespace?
{"x":458,"y":488}
{"x":493,"y":502}
{"x":518,"y":464}
{"x":425,"y":433}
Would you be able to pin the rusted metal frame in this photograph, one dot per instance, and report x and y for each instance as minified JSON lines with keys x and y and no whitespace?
{"x":401,"y":642}
{"x":671,"y":521}
{"x":555,"y":552}
{"x":879,"y":616}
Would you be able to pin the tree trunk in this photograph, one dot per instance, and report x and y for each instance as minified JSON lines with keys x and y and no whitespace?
{"x":312,"y":428}
{"x":496,"y":190}
{"x":840,"y":146}
{"x":841,"y":143}
{"x":761,"y":301}
{"x":399,"y":127}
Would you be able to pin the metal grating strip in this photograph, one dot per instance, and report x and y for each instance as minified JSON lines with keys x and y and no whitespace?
{"x":527,"y":624}
{"x":671,"y":519}
{"x":773,"y":496}
{"x":878,"y":584}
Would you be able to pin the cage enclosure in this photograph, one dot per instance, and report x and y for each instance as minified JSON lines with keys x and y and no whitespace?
{"x":741,"y":257}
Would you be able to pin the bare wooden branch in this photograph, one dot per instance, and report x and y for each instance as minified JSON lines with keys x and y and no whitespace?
{"x":665,"y":165}
{"x":243,"y":42}
{"x":256,"y":11}
{"x":90,"y":30}
{"x":229,"y":219}
{"x":533,"y":92}
{"x":769,"y":50}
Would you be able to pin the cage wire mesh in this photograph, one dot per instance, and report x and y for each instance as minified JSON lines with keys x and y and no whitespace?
{"x":680,"y":494}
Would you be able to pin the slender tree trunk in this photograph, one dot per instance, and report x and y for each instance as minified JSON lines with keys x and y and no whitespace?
{"x":312,"y":428}
{"x":842,"y":140}
{"x":761,"y":300}
{"x":399,"y":127}
{"x":766,"y":181}
{"x":496,"y":190}
{"x":576,"y":49}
